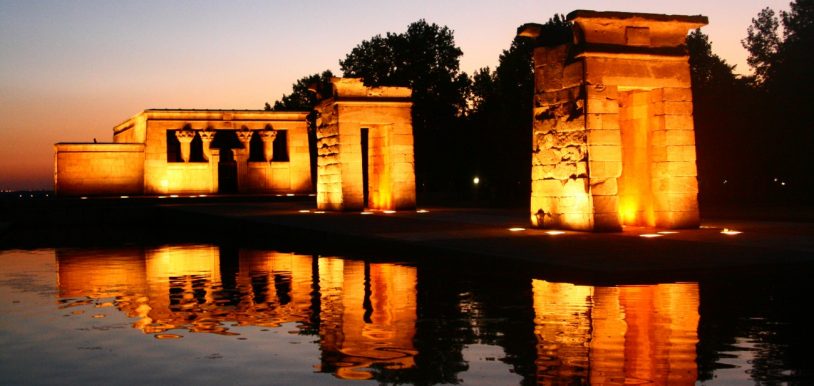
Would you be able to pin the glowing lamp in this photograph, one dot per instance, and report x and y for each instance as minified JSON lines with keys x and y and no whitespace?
{"x":422,"y":211}
{"x":554,"y":233}
{"x":516,"y":229}
{"x":476,"y":180}
{"x":730,"y":232}
{"x":366,"y":213}
{"x":389,"y":211}
{"x":650,"y":235}
{"x":305,"y":211}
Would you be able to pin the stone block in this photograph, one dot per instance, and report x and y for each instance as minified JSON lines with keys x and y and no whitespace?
{"x":683,"y":185}
{"x":672,"y":137}
{"x":671,"y":202}
{"x":605,"y":204}
{"x":673,"y":169}
{"x":545,"y":157}
{"x":593,"y":121}
{"x":604,"y":137}
{"x":677,"y":122}
{"x":547,"y":187}
{"x":572,"y":74}
{"x":604,"y":153}
{"x":684,"y":153}
{"x":604,"y":187}
{"x":575,"y":187}
{"x":607,"y":222}
{"x":610,"y":121}
{"x":677,"y":108}
{"x":677,"y":94}
{"x":602,"y":106}
{"x":677,"y":220}
{"x":605,"y":169}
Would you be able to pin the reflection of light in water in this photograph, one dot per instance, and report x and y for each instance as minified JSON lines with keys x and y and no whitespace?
{"x":374,"y":308}
{"x":628,"y":334}
{"x":367,"y":311}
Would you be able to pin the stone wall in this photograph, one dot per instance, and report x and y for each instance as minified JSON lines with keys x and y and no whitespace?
{"x":85,"y":169}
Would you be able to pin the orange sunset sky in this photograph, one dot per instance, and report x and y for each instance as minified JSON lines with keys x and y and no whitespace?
{"x":71,"y":70}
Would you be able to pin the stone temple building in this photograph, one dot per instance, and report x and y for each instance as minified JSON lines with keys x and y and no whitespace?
{"x":191,"y":152}
{"x":613,"y":138}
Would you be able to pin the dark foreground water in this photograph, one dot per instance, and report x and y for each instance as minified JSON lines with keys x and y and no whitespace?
{"x":214,"y":314}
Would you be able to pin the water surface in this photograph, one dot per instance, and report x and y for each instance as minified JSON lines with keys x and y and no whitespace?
{"x":219,"y":314}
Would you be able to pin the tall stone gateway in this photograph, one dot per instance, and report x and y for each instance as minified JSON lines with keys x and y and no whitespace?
{"x":365,"y":147}
{"x":613,"y":138}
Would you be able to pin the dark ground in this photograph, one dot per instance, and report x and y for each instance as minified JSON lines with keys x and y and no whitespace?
{"x":774,"y":237}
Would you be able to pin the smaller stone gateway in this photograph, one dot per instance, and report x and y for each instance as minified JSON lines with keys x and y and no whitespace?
{"x":613,"y":138}
{"x":365,"y":147}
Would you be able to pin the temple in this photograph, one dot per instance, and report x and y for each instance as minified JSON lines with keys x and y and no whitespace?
{"x":191,"y":152}
{"x":613,"y":138}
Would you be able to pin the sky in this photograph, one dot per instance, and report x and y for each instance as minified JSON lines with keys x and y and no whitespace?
{"x":71,"y":70}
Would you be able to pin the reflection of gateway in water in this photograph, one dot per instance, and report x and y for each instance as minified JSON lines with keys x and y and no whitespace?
{"x":366,"y":311}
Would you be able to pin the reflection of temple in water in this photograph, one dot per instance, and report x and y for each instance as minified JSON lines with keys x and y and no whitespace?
{"x":616,"y":335}
{"x":364,"y":312}
{"x":373,"y":319}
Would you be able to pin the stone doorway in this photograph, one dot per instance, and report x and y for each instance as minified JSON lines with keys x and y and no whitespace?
{"x":227,"y":172}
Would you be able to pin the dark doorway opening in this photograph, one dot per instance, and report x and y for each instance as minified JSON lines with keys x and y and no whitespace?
{"x":365,"y":173}
{"x":227,"y":172}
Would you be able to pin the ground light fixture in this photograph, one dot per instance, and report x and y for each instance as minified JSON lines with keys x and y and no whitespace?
{"x":730,"y":232}
{"x":516,"y":229}
{"x":555,"y":233}
{"x":650,"y":235}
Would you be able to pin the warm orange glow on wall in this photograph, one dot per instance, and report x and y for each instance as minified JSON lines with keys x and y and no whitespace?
{"x":635,"y":192}
{"x":642,"y":334}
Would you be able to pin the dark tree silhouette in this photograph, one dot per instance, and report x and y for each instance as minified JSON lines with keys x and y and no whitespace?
{"x":301,"y":99}
{"x":782,"y":64}
{"x":501,"y":118}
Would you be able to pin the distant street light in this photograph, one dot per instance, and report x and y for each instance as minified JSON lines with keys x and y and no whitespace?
{"x":476,"y":180}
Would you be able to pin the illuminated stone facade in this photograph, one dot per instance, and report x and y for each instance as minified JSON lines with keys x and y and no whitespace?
{"x":191,"y":152}
{"x":365,"y":148}
{"x":613,"y":138}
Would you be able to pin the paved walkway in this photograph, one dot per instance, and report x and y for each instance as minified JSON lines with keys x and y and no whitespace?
{"x":487,"y":233}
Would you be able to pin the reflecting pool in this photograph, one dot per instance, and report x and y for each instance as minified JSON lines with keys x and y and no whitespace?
{"x":220,"y":314}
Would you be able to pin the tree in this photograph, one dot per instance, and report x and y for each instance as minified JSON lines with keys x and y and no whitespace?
{"x":782,"y":65}
{"x":500,"y":119}
{"x":426,"y":59}
{"x":763,"y":44}
{"x":301,"y":98}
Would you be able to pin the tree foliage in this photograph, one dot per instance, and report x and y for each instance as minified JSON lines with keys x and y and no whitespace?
{"x":301,"y":98}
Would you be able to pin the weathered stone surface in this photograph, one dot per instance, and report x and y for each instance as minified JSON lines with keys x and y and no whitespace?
{"x":604,"y":186}
{"x":625,"y":100}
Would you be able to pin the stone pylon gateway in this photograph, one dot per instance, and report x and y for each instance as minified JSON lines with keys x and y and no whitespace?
{"x":613,"y":138}
{"x":365,"y":147}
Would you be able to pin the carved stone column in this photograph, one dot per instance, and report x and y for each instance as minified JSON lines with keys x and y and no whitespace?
{"x":206,"y":137}
{"x":242,"y":159}
{"x":268,"y":143}
{"x":185,"y":137}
